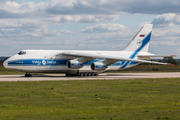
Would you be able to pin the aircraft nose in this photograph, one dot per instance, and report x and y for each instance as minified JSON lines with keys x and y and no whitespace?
{"x":5,"y":64}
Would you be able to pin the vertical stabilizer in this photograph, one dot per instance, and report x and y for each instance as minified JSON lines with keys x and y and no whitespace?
{"x":141,"y":41}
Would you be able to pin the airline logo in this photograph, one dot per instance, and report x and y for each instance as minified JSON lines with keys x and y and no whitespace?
{"x":139,"y":42}
{"x":142,"y":35}
{"x":43,"y":62}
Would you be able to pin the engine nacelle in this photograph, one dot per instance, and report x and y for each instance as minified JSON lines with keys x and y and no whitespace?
{"x":74,"y":64}
{"x":98,"y":66}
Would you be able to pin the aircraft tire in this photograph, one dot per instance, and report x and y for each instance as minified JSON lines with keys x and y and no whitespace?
{"x":93,"y":74}
{"x":96,"y":74}
{"x":68,"y":75}
{"x":85,"y":74}
{"x":88,"y":74}
{"x":81,"y":74}
{"x":28,"y":75}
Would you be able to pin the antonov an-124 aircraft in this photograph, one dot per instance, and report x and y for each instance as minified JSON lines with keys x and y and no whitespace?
{"x":84,"y":63}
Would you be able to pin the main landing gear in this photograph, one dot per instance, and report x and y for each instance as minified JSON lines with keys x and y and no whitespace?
{"x":28,"y":75}
{"x":83,"y":74}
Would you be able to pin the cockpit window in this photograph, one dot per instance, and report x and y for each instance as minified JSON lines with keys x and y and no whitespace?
{"x":22,"y":53}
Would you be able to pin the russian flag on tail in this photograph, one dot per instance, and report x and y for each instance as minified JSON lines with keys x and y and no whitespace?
{"x":142,"y":35}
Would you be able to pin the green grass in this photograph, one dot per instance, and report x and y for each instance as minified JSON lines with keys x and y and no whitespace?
{"x":138,"y":99}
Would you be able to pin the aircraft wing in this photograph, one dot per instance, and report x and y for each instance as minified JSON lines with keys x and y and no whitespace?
{"x":108,"y":57}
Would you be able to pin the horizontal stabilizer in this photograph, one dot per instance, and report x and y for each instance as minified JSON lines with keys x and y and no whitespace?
{"x":146,"y":57}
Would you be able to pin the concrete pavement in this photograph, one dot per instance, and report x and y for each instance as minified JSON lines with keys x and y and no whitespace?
{"x":104,"y":76}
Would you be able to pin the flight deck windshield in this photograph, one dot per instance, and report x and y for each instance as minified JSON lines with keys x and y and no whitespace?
{"x":22,"y":53}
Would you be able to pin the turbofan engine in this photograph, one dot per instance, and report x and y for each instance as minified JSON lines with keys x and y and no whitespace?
{"x":74,"y":64}
{"x":98,"y":66}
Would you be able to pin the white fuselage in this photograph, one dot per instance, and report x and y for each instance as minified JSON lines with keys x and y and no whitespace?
{"x":81,"y":63}
{"x":52,"y":61}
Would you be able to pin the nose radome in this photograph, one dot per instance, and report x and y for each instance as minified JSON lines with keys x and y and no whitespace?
{"x":5,"y":64}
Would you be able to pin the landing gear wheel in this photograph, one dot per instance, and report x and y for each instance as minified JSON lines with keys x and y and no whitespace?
{"x":28,"y":75}
{"x":69,"y":75}
{"x":96,"y":74}
{"x":89,"y":74}
{"x":81,"y":74}
{"x":85,"y":74}
{"x":93,"y":74}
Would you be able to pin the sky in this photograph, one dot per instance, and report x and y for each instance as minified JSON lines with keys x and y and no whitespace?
{"x":87,"y":25}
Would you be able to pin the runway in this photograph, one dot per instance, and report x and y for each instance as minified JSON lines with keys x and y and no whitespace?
{"x":107,"y":76}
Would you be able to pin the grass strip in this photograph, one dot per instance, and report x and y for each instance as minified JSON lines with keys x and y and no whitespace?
{"x":137,"y":99}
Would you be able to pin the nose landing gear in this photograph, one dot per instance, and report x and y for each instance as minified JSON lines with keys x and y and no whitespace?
{"x":28,"y":75}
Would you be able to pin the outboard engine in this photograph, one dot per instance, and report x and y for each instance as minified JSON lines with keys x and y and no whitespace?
{"x":98,"y":66}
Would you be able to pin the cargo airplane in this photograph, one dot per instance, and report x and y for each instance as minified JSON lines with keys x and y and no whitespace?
{"x":84,"y":63}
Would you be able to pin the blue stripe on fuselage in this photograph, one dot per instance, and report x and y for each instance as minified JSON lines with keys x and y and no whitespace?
{"x":43,"y":62}
{"x":35,"y":62}
{"x":49,"y":62}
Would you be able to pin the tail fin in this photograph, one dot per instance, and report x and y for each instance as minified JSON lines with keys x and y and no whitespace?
{"x":141,"y":41}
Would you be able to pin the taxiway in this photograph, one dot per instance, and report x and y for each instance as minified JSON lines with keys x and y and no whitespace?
{"x":105,"y":76}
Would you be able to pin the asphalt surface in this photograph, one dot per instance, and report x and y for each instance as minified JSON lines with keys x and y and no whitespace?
{"x":109,"y":76}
